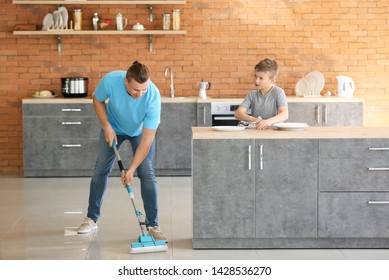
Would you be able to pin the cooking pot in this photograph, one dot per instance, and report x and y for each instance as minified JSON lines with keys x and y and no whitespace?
{"x":74,"y":87}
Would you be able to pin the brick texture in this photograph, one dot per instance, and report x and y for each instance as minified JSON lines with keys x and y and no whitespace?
{"x":224,"y":40}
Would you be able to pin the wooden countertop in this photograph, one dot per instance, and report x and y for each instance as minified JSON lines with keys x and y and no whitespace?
{"x":291,"y":99}
{"x":314,"y":132}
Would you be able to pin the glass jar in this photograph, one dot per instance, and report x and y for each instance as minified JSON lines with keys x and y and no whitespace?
{"x":77,"y":18}
{"x":166,"y":22}
{"x":176,"y":19}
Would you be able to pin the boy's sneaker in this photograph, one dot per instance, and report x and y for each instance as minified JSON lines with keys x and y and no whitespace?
{"x":157,"y":233}
{"x":87,"y":226}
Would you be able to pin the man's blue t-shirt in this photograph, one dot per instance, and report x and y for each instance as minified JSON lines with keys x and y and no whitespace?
{"x":126,"y":114}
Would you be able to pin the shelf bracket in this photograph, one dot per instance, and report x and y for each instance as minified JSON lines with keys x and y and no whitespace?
{"x":59,"y":44}
{"x":151,"y":43}
{"x":151,"y":16}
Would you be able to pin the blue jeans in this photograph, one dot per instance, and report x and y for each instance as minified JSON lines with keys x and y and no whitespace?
{"x":145,"y":171}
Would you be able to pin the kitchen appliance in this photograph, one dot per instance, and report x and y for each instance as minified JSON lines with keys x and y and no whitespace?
{"x":74,"y":87}
{"x":222,"y":113}
{"x":204,"y":86}
{"x":346,"y":86}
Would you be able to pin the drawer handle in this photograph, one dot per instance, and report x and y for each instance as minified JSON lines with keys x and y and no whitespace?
{"x":375,"y":202}
{"x":71,"y":145}
{"x":378,"y":168}
{"x":379,"y":149}
{"x":249,"y":157}
{"x":71,"y":123}
{"x":70,"y":110}
{"x":260,"y":157}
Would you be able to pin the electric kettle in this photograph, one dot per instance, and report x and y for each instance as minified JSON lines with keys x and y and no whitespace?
{"x":346,"y":86}
{"x":204,"y":86}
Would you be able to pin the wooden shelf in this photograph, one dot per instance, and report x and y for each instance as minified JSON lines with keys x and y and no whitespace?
{"x":98,"y":2}
{"x":101,"y":32}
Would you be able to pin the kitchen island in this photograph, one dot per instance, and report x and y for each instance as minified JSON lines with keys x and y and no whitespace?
{"x":323,"y":187}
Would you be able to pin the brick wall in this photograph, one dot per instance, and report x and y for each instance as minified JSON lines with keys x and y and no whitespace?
{"x":224,"y":40}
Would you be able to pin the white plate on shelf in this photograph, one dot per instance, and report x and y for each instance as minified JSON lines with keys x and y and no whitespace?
{"x":38,"y":96}
{"x":47,"y":22}
{"x":290,"y":126}
{"x":65,"y":16}
{"x":228,"y":128}
{"x":57,"y":20}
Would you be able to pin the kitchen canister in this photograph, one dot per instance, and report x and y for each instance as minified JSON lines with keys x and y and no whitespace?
{"x":176,"y":19}
{"x":166,"y":22}
{"x":77,"y":19}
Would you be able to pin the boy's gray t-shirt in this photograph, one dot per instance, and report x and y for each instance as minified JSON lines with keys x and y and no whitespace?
{"x":265,"y":106}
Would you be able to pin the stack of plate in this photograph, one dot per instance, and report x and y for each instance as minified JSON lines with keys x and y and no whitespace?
{"x":311,"y":85}
{"x":56,"y":20}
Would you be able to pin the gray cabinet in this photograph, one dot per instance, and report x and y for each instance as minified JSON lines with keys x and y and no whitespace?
{"x":59,"y":139}
{"x":223,"y":189}
{"x":173,"y":138}
{"x":204,"y":117}
{"x":327,"y":113}
{"x":286,"y":205}
{"x":354,"y":188}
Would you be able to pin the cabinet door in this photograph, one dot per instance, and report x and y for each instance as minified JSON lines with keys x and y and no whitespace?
{"x":204,"y":117}
{"x":173,"y":138}
{"x":286,"y":188}
{"x":342,"y":114}
{"x":309,"y":113}
{"x":223,"y":189}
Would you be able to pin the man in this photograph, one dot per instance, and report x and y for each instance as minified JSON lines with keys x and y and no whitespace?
{"x":132,"y":113}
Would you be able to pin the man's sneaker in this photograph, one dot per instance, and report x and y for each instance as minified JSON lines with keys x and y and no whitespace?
{"x":157,"y":233}
{"x":87,"y":226}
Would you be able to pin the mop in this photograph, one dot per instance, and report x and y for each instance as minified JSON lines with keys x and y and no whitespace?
{"x":146,"y":243}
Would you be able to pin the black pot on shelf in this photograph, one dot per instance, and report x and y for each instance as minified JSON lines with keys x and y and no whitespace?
{"x":74,"y":87}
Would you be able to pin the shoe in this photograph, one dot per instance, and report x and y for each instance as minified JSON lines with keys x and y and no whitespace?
{"x":87,"y":226}
{"x":157,"y":233}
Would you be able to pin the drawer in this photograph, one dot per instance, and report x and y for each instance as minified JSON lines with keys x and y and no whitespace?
{"x":71,"y":154}
{"x":354,"y":148}
{"x":371,"y":174}
{"x":345,"y":215}
{"x":61,"y":127}
{"x":63,"y":109}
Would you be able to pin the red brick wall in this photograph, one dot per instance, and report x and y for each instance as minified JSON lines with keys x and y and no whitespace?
{"x":224,"y":40}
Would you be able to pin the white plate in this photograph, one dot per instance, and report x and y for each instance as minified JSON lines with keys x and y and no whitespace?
{"x":318,"y":81}
{"x":38,"y":96}
{"x":47,"y":22}
{"x":57,"y":20}
{"x":290,"y":126}
{"x":228,"y":128}
{"x":65,"y":16}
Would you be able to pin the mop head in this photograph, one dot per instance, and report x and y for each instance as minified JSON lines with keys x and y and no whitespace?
{"x":147,"y":244}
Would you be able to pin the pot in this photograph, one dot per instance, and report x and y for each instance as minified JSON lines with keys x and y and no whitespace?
{"x":74,"y":87}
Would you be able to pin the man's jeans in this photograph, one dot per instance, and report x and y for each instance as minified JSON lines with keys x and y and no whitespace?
{"x":145,"y":171}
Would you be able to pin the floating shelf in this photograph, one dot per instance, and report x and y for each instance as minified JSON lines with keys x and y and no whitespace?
{"x":94,"y":2}
{"x":101,"y":32}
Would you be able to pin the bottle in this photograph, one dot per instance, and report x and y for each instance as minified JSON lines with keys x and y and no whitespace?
{"x":95,"y":21}
{"x":77,"y":18}
{"x":176,"y":19}
{"x":166,"y":21}
{"x":119,"y":21}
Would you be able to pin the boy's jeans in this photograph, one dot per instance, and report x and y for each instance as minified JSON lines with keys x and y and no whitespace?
{"x":145,"y":171}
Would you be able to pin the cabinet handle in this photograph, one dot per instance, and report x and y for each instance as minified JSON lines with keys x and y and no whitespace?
{"x":249,"y":157}
{"x":379,"y":149}
{"x":260,"y":157}
{"x":378,"y":168}
{"x":318,"y":114}
{"x":71,"y":123}
{"x":204,"y":115}
{"x":70,"y":110}
{"x":372,"y":202}
{"x":325,"y":114}
{"x":71,"y":145}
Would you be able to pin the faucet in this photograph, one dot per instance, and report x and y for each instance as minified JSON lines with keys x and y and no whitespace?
{"x":171,"y":80}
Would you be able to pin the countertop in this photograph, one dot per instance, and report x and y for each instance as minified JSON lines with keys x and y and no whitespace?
{"x":291,"y":99}
{"x":315,"y":132}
